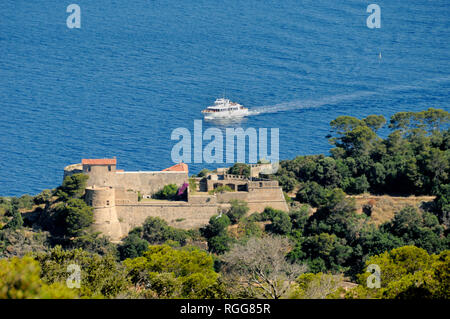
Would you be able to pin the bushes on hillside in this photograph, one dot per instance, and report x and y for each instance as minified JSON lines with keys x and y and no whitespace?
{"x":237,"y":210}
{"x":20,"y":279}
{"x":101,"y":276}
{"x":154,"y":231}
{"x":175,"y":273}
{"x":73,"y":186}
{"x":73,"y":217}
{"x":413,"y":159}
{"x":216,"y":234}
{"x":406,"y":273}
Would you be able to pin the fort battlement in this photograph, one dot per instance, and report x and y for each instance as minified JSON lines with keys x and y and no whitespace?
{"x":121,"y":200}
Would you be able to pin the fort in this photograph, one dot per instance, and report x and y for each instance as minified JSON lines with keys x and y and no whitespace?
{"x":122,"y":200}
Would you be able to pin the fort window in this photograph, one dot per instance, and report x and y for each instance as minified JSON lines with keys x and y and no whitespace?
{"x":242,"y":188}
{"x":107,"y":203}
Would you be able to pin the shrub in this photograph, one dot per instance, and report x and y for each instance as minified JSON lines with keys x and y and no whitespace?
{"x":281,"y":223}
{"x":203,"y":173}
{"x":219,"y":244}
{"x":74,"y":216}
{"x":220,"y":189}
{"x":237,"y":210}
{"x":169,"y":192}
{"x":73,"y":186}
{"x":20,"y":279}
{"x":299,"y":217}
{"x":313,"y":194}
{"x":216,"y":233}
{"x":102,"y":276}
{"x":133,"y":246}
{"x":156,"y":231}
{"x":16,"y":222}
{"x":23,"y":202}
{"x":43,"y":197}
{"x":240,"y":169}
{"x":174,"y":272}
{"x":192,"y":185}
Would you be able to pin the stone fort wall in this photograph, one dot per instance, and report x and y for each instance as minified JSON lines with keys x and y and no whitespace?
{"x":113,"y":194}
{"x":180,"y":215}
{"x":147,"y":183}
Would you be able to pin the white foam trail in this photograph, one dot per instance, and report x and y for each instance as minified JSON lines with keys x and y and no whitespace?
{"x":299,"y":104}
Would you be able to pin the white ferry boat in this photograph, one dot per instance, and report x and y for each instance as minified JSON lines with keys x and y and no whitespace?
{"x":224,"y":108}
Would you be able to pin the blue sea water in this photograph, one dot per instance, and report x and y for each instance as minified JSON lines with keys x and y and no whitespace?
{"x":136,"y":70}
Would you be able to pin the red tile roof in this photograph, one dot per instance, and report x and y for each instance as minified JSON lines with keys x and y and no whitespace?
{"x":181,"y":167}
{"x":99,"y":161}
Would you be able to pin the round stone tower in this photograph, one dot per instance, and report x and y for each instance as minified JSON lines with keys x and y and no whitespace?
{"x":102,"y":199}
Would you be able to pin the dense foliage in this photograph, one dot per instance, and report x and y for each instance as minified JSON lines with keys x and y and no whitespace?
{"x":405,"y":273}
{"x":413,"y":159}
{"x":168,"y":192}
{"x":175,"y":273}
{"x":309,"y":251}
{"x":239,"y":169}
{"x":154,"y":231}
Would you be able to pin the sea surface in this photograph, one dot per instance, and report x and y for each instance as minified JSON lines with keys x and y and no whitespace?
{"x":137,"y":70}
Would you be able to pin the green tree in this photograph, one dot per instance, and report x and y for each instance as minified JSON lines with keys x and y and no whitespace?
{"x":43,"y":197}
{"x":344,"y":124}
{"x":419,"y":229}
{"x":156,"y":231}
{"x":132,"y":246}
{"x":23,"y":202}
{"x":312,"y":193}
{"x":280,"y":221}
{"x":299,"y":217}
{"x":338,"y":217}
{"x":20,"y":279}
{"x":93,"y":243}
{"x":317,"y":286}
{"x":174,"y":273}
{"x":324,"y":252}
{"x":358,"y":185}
{"x":204,"y":172}
{"x":16,"y":221}
{"x":219,"y":243}
{"x":74,"y":216}
{"x":442,"y":204}
{"x":240,"y":169}
{"x":406,"y":272}
{"x":216,"y":233}
{"x":375,"y":122}
{"x":168,"y":192}
{"x":73,"y":186}
{"x":237,"y":210}
{"x":101,"y":276}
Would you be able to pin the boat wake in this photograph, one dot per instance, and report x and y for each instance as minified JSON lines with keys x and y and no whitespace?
{"x":307,"y":104}
{"x":334,"y":99}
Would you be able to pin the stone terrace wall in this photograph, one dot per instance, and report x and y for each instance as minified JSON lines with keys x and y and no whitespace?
{"x":180,"y":215}
{"x":148,"y":183}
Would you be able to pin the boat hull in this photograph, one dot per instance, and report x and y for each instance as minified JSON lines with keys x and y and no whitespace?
{"x":225,"y":114}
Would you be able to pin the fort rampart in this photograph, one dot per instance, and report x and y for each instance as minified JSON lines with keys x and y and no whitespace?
{"x":122,"y":200}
